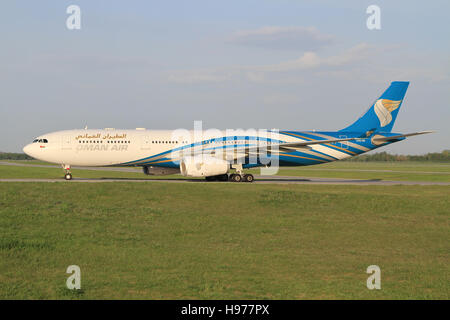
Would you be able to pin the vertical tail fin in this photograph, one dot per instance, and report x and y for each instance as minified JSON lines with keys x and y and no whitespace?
{"x":382,"y":114}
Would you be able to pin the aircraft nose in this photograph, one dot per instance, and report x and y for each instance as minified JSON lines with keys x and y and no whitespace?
{"x":28,"y":149}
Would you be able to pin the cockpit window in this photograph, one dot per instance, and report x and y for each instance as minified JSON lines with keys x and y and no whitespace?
{"x":40,"y":140}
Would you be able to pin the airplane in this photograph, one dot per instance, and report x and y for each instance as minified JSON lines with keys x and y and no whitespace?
{"x":214,"y":156}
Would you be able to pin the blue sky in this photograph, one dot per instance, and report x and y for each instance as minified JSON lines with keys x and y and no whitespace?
{"x":296,"y":65}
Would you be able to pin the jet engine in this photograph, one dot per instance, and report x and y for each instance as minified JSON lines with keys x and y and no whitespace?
{"x":203,"y":166}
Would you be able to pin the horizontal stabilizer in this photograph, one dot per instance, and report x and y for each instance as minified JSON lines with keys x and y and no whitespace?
{"x":391,"y":138}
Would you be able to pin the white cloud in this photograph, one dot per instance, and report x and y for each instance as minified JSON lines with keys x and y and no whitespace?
{"x":359,"y":52}
{"x":308,"y":61}
{"x":290,"y":38}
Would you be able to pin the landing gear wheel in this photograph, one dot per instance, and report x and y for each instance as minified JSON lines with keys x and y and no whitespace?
{"x":235,"y":177}
{"x":68,"y":176}
{"x":248,"y":178}
{"x":223,"y":177}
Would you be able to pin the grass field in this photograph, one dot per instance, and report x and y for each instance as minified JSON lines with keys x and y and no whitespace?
{"x":222,"y":240}
{"x":397,"y":171}
{"x":7,"y":172}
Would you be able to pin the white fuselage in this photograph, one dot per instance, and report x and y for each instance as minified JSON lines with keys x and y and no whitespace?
{"x":109,"y":147}
{"x":100,"y":147}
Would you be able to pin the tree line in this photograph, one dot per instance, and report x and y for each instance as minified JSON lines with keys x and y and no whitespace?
{"x":443,"y":156}
{"x":14,"y":156}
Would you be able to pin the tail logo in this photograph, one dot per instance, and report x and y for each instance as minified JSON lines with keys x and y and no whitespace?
{"x":383,"y":109}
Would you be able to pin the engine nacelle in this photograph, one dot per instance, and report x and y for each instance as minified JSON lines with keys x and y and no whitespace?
{"x":158,"y":171}
{"x":203,"y":166}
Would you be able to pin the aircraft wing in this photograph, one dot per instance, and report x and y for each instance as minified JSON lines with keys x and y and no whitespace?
{"x":312,"y":142}
{"x":288,"y":146}
{"x":242,"y":152}
{"x":291,"y":146}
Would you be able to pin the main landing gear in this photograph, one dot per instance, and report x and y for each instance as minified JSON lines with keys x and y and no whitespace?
{"x":239,"y":176}
{"x":234,"y":177}
{"x":68,"y":175}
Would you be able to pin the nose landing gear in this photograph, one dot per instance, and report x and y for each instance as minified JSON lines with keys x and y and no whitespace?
{"x":68,"y":175}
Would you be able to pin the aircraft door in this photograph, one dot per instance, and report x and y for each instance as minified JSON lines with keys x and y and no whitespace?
{"x":145,"y":143}
{"x":66,"y":143}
